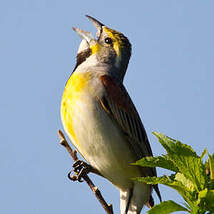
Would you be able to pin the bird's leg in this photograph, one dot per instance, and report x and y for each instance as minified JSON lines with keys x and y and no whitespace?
{"x":81,"y":169}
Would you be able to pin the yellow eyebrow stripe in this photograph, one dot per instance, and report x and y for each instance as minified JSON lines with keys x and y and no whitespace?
{"x":116,"y":44}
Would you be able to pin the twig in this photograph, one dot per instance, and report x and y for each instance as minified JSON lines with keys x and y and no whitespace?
{"x":95,"y":190}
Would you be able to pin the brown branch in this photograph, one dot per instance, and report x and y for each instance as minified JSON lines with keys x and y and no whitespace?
{"x":95,"y":190}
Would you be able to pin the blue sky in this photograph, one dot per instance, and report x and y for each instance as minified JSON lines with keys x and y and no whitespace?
{"x":170,"y":79}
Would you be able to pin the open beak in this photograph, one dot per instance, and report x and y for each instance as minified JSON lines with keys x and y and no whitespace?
{"x":87,"y":35}
{"x":84,"y":34}
{"x":98,"y":25}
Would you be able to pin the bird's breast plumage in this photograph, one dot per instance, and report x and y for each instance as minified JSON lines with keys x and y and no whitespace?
{"x":93,"y":132}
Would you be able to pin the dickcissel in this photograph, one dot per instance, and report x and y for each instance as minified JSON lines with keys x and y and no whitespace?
{"x":101,"y":120}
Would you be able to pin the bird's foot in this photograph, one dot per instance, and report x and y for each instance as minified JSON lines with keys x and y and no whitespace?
{"x":81,"y":169}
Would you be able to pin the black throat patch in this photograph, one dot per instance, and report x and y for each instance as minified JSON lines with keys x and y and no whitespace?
{"x":81,"y":57}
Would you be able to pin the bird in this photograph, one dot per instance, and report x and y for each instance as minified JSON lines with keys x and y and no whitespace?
{"x":101,"y":120}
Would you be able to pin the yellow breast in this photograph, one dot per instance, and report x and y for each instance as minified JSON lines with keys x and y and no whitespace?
{"x":92,"y":131}
{"x":75,"y":87}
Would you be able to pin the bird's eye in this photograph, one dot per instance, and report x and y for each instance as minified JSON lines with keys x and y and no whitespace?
{"x":108,"y":40}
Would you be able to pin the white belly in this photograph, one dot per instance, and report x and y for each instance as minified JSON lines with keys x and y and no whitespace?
{"x":102,"y":143}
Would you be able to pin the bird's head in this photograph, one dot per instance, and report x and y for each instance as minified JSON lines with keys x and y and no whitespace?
{"x":111,"y":47}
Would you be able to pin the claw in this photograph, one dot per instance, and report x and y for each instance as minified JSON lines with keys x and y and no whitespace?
{"x":81,"y":169}
{"x":72,"y":177}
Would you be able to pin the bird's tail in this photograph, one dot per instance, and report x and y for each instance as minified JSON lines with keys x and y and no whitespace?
{"x":132,"y":200}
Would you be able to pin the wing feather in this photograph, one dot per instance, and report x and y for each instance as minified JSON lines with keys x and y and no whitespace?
{"x":119,"y":105}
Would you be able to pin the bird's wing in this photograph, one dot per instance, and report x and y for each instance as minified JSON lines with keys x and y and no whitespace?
{"x":119,"y":105}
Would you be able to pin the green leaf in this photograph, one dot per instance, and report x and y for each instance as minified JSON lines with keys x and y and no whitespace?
{"x":206,"y":199}
{"x":161,"y":161}
{"x":167,"y":207}
{"x":185,"y":159}
{"x":202,"y":195}
{"x":155,"y":180}
{"x":210,"y":200}
{"x":211,"y":165}
{"x":170,"y":181}
{"x":186,"y":182}
{"x":190,"y":178}
{"x":203,"y":153}
{"x":170,"y":144}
